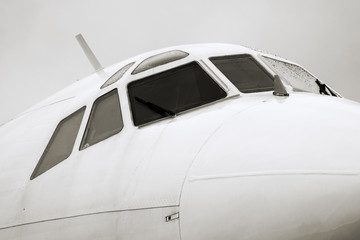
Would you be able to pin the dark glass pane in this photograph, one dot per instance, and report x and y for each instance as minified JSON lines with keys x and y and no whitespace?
{"x":61,"y":143}
{"x":105,"y":119}
{"x":176,"y":90}
{"x":244,"y":72}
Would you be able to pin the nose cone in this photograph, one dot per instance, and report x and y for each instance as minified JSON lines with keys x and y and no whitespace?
{"x":285,"y":169}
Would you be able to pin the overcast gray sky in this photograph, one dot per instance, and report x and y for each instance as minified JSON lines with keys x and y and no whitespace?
{"x":39,"y":54}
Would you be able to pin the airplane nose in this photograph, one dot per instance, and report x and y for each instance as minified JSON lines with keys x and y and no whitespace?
{"x":288,"y":169}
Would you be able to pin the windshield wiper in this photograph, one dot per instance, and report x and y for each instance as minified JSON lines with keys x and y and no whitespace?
{"x":323,"y":88}
{"x":156,"y":108}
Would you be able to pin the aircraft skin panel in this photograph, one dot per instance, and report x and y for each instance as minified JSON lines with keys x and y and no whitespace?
{"x":132,"y":225}
{"x":262,"y":131}
{"x":152,"y":177}
{"x":268,"y":184}
{"x":289,"y":207}
{"x":83,"y":89}
{"x":22,"y":142}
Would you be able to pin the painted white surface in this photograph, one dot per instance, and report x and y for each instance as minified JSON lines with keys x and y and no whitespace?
{"x":285,"y":169}
{"x":130,"y":225}
{"x":256,"y":155}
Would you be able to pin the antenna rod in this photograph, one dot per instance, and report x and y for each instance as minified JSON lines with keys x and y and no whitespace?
{"x":89,"y":54}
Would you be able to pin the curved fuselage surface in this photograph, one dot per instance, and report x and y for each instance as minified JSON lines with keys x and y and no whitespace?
{"x":238,"y":166}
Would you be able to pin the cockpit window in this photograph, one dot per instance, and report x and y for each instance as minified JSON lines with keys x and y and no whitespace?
{"x":170,"y":92}
{"x":297,"y":77}
{"x":244,"y":72}
{"x":116,"y":76}
{"x":105,"y":119}
{"x":61,"y":143}
{"x":160,"y":59}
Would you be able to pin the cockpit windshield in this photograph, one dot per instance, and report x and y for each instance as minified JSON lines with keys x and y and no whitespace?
{"x":171,"y":92}
{"x":244,"y":72}
{"x":297,"y":77}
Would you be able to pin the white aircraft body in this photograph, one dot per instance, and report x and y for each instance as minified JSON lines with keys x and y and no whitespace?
{"x":209,"y":141}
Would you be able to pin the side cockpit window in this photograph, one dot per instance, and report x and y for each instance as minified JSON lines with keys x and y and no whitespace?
{"x":116,"y":76}
{"x":298,"y":77}
{"x":105,"y":119}
{"x":160,"y":59}
{"x":244,"y":72}
{"x":171,"y":92}
{"x":61,"y":143}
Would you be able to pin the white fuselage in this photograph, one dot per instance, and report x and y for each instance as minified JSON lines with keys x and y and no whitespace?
{"x":249,"y":166}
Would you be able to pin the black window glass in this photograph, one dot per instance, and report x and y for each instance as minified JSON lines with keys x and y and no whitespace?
{"x":171,"y":92}
{"x":105,"y":119}
{"x":61,"y":143}
{"x":244,"y":72}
